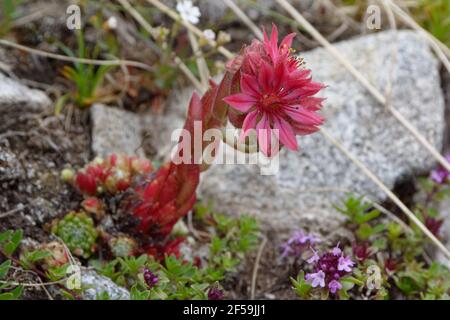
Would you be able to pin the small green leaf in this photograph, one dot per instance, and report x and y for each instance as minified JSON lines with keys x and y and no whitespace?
{"x":12,"y":295}
{"x":365,"y":231}
{"x":60,"y":103}
{"x":349,"y":282}
{"x":380,"y":243}
{"x":5,"y":235}
{"x":136,"y":294}
{"x":367,"y":216}
{"x":4,"y":268}
{"x":301,"y":287}
{"x":14,"y":242}
{"x":426,"y":184}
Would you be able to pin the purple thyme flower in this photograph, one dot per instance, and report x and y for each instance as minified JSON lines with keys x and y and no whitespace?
{"x":215,"y":293}
{"x":297,"y":244}
{"x":345,"y":264}
{"x":334,"y":286}
{"x":317,"y":279}
{"x":440,"y":175}
{"x":336,"y":251}
{"x":329,"y":268}
{"x":315,"y":257}
{"x":150,"y":278}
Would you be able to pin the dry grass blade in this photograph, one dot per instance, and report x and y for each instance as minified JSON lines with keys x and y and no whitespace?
{"x":245,"y":19}
{"x":256,"y":267}
{"x":200,"y":60}
{"x":198,"y":85}
{"x":439,"y":48}
{"x":55,"y":56}
{"x":413,"y":24}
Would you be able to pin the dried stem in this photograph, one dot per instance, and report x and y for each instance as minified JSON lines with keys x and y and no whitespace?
{"x":439,"y":48}
{"x":245,"y":19}
{"x":256,"y":267}
{"x":200,"y":60}
{"x":41,"y":274}
{"x":183,"y":67}
{"x":413,"y":24}
{"x":55,"y":56}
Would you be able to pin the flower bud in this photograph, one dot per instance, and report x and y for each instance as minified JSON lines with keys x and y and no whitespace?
{"x":223,"y":38}
{"x":94,"y":205}
{"x":58,"y":255}
{"x":67,"y":175}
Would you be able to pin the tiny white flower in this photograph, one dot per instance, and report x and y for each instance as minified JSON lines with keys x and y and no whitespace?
{"x":209,"y":34}
{"x":112,"y":23}
{"x":188,"y":11}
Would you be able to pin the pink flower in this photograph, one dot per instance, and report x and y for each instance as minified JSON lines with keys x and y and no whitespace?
{"x":275,"y":93}
{"x":316,"y":279}
{"x":345,"y":264}
{"x":330,"y":267}
{"x":440,"y":175}
{"x":298,"y":243}
{"x":336,"y":251}
{"x":315,"y":257}
{"x":334,"y":286}
{"x":150,"y":278}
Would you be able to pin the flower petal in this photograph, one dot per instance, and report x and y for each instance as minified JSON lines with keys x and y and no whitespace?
{"x":312,"y":88}
{"x":303,"y":116}
{"x":274,"y":37}
{"x":301,"y":91}
{"x":240,"y":101}
{"x":312,"y":103}
{"x":303,"y":130}
{"x":265,"y":76}
{"x":249,"y":123}
{"x":249,"y":85}
{"x":287,"y":135}
{"x":286,"y":43}
{"x":280,"y":75}
{"x":264,"y":134}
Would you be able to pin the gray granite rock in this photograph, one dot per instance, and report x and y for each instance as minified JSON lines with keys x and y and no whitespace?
{"x":10,"y":167}
{"x":14,"y":95}
{"x":311,"y":181}
{"x":214,"y":11}
{"x":115,"y":131}
{"x":95,"y":285}
{"x":16,"y":100}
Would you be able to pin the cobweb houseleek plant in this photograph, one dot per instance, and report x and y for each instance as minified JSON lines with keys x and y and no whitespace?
{"x":265,"y":88}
